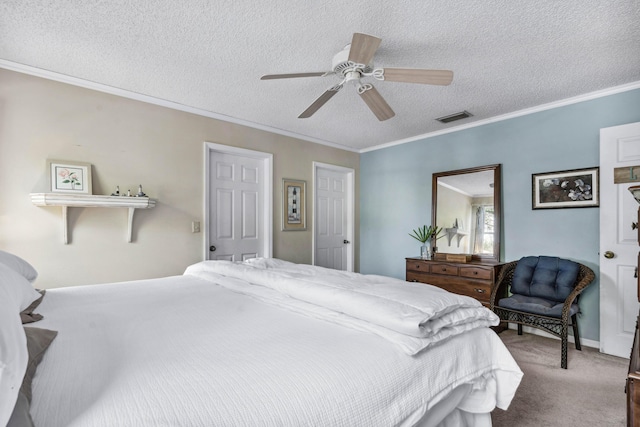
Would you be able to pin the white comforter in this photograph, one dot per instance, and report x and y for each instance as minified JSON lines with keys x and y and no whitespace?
{"x":212,"y":349}
{"x":411,"y":315}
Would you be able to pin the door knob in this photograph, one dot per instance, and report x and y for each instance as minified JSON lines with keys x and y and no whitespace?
{"x":609,"y":254}
{"x":346,"y":242}
{"x":212,"y":248}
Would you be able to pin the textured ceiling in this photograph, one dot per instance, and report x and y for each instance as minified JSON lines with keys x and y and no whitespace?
{"x":506,"y":55}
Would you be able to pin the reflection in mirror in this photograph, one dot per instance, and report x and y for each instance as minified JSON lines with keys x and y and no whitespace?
{"x":467,"y":207}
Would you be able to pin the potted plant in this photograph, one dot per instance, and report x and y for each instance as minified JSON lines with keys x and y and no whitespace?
{"x":423,"y":235}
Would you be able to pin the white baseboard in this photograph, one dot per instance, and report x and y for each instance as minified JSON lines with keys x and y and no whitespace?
{"x":529,"y":330}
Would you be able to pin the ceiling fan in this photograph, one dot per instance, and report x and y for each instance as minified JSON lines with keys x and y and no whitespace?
{"x":353,"y":63}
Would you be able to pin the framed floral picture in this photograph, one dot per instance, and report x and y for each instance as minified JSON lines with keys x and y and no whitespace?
{"x":69,"y":177}
{"x":294,"y":205}
{"x":577,"y":188}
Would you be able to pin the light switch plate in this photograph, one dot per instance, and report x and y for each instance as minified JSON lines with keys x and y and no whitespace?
{"x":195,"y":227}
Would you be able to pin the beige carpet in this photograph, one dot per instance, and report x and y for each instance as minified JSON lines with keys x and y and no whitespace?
{"x":589,"y":393}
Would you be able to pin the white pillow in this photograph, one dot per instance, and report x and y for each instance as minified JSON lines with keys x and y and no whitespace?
{"x":13,"y":352}
{"x":18,"y":288}
{"x":18,"y":264}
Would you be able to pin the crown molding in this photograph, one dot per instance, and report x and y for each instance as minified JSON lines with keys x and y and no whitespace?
{"x":87,"y":84}
{"x":564,"y":102}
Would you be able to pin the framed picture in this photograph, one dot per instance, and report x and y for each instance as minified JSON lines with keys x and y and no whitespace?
{"x":69,"y":177}
{"x":577,"y":188}
{"x":294,"y":213}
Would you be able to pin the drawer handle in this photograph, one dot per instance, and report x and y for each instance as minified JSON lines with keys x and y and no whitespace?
{"x":475,"y":272}
{"x":444,"y":269}
{"x":480,"y":291}
{"x":417,"y":266}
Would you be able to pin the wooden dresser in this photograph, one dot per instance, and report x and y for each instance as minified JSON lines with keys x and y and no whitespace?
{"x":474,"y":279}
{"x":633,"y":378}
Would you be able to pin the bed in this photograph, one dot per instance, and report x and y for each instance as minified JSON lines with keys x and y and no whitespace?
{"x":263,"y":342}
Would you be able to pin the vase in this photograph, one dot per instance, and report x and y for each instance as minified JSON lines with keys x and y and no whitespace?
{"x":424,"y":252}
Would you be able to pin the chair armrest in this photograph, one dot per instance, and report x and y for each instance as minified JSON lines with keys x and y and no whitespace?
{"x":502,"y":285}
{"x":584,"y":279}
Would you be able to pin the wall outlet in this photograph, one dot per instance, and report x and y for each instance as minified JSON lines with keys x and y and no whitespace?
{"x":195,"y":227}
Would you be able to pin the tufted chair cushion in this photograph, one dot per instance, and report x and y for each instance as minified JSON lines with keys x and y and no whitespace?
{"x":536,"y":305}
{"x":549,"y":278}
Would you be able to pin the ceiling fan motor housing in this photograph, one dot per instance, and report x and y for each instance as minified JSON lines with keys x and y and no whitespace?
{"x":342,"y":66}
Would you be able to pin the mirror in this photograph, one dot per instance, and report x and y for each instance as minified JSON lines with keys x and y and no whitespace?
{"x":466,"y":204}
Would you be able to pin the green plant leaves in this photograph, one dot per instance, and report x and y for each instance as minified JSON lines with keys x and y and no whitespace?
{"x":425,"y":233}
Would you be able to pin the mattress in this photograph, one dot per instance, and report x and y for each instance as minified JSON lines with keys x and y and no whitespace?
{"x":213,"y":349}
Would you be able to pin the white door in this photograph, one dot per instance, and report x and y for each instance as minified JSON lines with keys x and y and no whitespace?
{"x":619,"y":147}
{"x":238,"y":206}
{"x":333,"y":220}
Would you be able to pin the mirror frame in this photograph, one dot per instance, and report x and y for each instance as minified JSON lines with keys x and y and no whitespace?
{"x":497,"y":205}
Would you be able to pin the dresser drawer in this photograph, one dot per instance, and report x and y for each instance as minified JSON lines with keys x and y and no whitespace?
{"x":481,"y":292}
{"x":476,"y":273}
{"x":416,"y":276}
{"x":417,"y":266}
{"x":446,"y":269}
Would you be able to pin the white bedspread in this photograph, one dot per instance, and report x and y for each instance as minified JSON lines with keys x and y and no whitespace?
{"x":185,"y":351}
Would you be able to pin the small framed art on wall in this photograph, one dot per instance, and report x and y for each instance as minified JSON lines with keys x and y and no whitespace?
{"x":69,"y":177}
{"x":294,"y":205}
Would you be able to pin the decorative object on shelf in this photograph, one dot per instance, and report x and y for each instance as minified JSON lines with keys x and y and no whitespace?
{"x":140,"y":192}
{"x":462,"y":258}
{"x":128,"y":193}
{"x":424,"y":235}
{"x":117,"y":192}
{"x":576,"y":188}
{"x":293,"y":205}
{"x":69,"y":177}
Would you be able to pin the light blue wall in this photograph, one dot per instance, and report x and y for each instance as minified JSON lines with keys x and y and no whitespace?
{"x":395,"y":187}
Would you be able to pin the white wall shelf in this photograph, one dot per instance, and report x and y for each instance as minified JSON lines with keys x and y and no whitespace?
{"x":455,"y":232}
{"x":87,"y":201}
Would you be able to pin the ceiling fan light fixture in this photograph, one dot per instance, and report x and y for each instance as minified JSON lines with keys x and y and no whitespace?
{"x":455,"y":116}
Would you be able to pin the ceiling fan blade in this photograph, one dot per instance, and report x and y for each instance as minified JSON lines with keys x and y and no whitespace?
{"x":291,"y":76}
{"x":319,"y":102}
{"x":363,"y":47}
{"x":413,"y":75}
{"x":376,"y":103}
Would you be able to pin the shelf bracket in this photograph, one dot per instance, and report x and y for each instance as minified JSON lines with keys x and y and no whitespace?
{"x":65,"y":225}
{"x":451,"y":232}
{"x":130,"y":224}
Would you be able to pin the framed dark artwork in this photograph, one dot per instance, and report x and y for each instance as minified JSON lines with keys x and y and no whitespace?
{"x":576,"y":188}
{"x":294,"y":205}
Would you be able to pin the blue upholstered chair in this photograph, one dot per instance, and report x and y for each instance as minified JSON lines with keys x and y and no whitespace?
{"x":544,"y":294}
